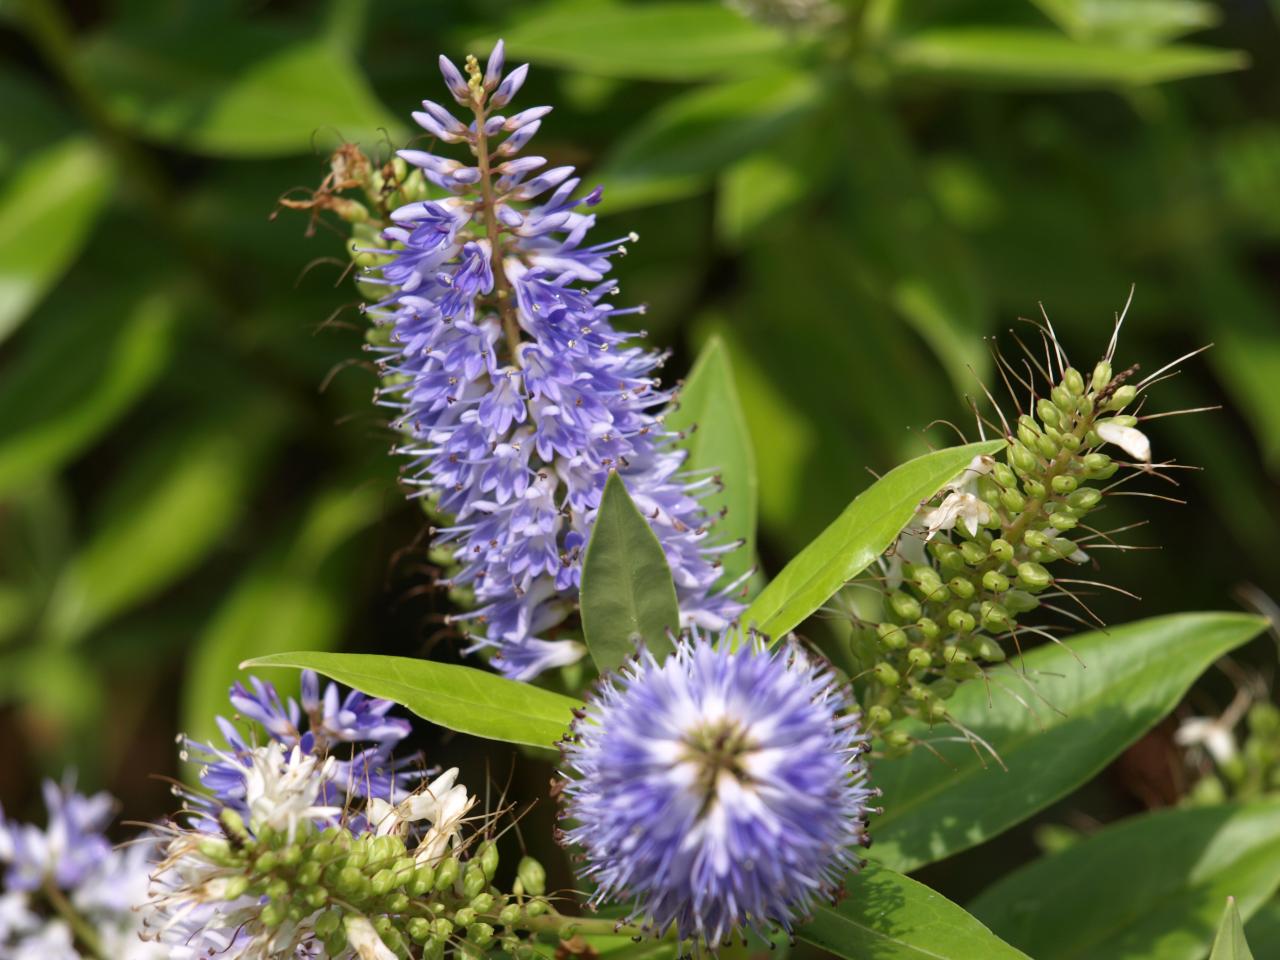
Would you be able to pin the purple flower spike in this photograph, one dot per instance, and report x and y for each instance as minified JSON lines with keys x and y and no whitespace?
{"x":515,"y":391}
{"x":720,"y":790}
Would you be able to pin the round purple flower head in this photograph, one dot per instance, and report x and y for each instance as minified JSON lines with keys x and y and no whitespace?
{"x":515,"y":391}
{"x":719,"y":790}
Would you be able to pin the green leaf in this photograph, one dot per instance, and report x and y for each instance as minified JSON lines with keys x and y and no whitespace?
{"x":886,"y":916}
{"x":710,"y":414}
{"x":296,"y":594}
{"x":651,"y":41}
{"x":459,"y":698}
{"x":1020,"y":57}
{"x":47,"y":209}
{"x":1073,"y":721}
{"x":1147,"y":888}
{"x":1133,"y":22}
{"x":173,"y":505}
{"x":866,"y":528}
{"x":57,"y":397}
{"x":1263,"y":929}
{"x":677,"y":149}
{"x":1230,"y":943}
{"x":628,"y":598}
{"x":234,"y":90}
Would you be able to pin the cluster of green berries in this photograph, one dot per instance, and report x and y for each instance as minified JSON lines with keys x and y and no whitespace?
{"x":421,"y":911}
{"x":980,"y":552}
{"x":1249,"y":772}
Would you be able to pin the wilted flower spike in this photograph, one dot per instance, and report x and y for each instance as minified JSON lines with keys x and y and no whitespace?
{"x":720,"y":790}
{"x":516,"y":392}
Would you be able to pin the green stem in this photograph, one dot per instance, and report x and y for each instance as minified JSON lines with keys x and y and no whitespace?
{"x":502,"y":290}
{"x":83,"y":930}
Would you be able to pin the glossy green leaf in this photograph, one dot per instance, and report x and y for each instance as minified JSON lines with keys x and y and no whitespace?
{"x":710,"y":414}
{"x":47,"y":209}
{"x":296,"y":595}
{"x":236,"y":90}
{"x":57,"y":397}
{"x":1147,"y":888}
{"x":1263,"y":929}
{"x":627,"y":595}
{"x":1230,"y":943}
{"x":651,"y":41}
{"x":678,"y":148}
{"x":459,"y":698}
{"x":866,"y":528}
{"x":1021,"y":57}
{"x":886,"y":916}
{"x":1073,"y":720}
{"x":171,"y":507}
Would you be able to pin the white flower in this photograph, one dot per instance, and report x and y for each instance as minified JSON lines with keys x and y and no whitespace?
{"x":967,"y":480}
{"x":1129,"y":439}
{"x":956,"y":507}
{"x":368,"y":945}
{"x":280,"y":792}
{"x":442,"y":804}
{"x":1212,"y":734}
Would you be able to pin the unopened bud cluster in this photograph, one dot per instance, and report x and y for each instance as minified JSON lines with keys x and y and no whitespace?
{"x":326,"y":878}
{"x":1237,"y":771}
{"x":980,"y":555}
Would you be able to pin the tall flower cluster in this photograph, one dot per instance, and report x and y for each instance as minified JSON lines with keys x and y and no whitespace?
{"x":515,"y":391}
{"x":1002,"y":539}
{"x":719,"y":790}
{"x":66,"y":892}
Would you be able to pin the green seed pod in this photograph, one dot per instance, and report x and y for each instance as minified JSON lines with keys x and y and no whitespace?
{"x":387,"y":849}
{"x":397,"y":903}
{"x":1122,"y":398}
{"x":1013,"y":501}
{"x":308,"y":874}
{"x":316,"y":897}
{"x":328,"y":922}
{"x":918,"y":692}
{"x":973,"y":552}
{"x":961,"y":587}
{"x":383,"y":882}
{"x":1019,"y":601}
{"x":473,"y":880}
{"x":952,"y":655}
{"x":419,"y":929}
{"x":904,"y":606}
{"x":488,"y":858}
{"x":994,"y":616}
{"x":442,"y":927}
{"x":1002,"y":475}
{"x":987,"y":649}
{"x":482,"y":903}
{"x":1036,"y":539}
{"x":886,"y":674}
{"x":1047,"y":447}
{"x":218,"y":851}
{"x":935,"y":711}
{"x":919,"y":658}
{"x":1064,"y":484}
{"x":1073,"y":381}
{"x":891,"y":635}
{"x":1070,"y":442}
{"x":267,"y":861}
{"x":1063,"y":399}
{"x":510,"y":914}
{"x":897,"y":739}
{"x":1101,"y":375}
{"x":1033,"y":576}
{"x":1034,"y":488}
{"x":1063,"y":521}
{"x":1002,"y":550}
{"x":447,"y":874}
{"x":358,"y":855}
{"x":278,"y":889}
{"x":1062,"y":547}
{"x":351,"y":882}
{"x":963,"y":670}
{"x":335,"y":943}
{"x":1024,"y":461}
{"x":926,"y":580}
{"x":928,"y":628}
{"x":236,"y":887}
{"x":272,"y":915}
{"x":536,"y":907}
{"x":1086,"y":498}
{"x":1049,"y":413}
{"x":464,"y":916}
{"x":995,"y":582}
{"x":877,"y":715}
{"x":961,"y":621}
{"x":481,"y":934}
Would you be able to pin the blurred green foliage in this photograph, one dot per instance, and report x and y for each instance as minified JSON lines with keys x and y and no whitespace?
{"x":190,"y":469}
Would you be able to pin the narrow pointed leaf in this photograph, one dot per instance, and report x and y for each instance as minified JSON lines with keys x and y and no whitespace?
{"x":710,"y":413}
{"x":1147,"y":888}
{"x":1230,"y":943}
{"x":887,"y":916}
{"x":628,"y":598}
{"x":852,"y":542}
{"x":1072,"y":722}
{"x":458,"y":698}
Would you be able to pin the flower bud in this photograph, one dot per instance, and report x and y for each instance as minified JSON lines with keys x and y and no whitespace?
{"x":1122,"y":397}
{"x":1073,"y":381}
{"x":1064,"y":484}
{"x":473,"y":881}
{"x":1101,"y":375}
{"x":1033,"y":576}
{"x":961,"y":621}
{"x":891,"y":635}
{"x":1048,"y":412}
{"x":488,"y":857}
{"x":1023,"y":459}
{"x":463,"y":916}
{"x":904,"y":606}
{"x":886,"y":674}
{"x":994,"y":581}
{"x":919,"y":658}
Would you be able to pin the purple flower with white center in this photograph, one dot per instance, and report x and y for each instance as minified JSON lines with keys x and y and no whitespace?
{"x":65,"y":883}
{"x":516,"y":393}
{"x":321,"y":725}
{"x":718,"y":791}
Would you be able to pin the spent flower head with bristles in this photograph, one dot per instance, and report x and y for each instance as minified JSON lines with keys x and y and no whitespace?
{"x":65,"y":891}
{"x":720,"y":790}
{"x":515,"y":391}
{"x":980,"y":554}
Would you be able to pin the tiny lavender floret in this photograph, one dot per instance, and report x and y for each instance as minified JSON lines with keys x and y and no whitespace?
{"x":720,"y":790}
{"x":515,"y":391}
